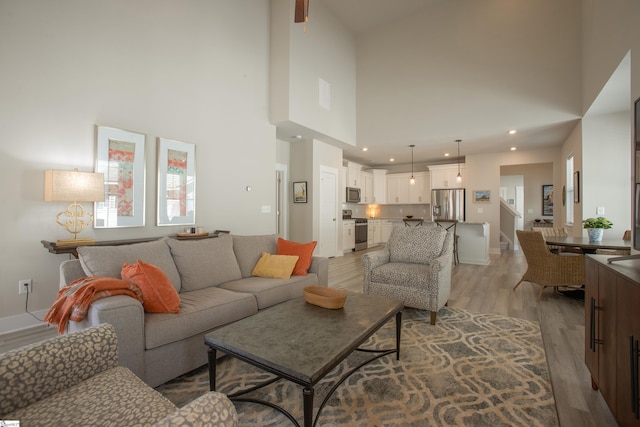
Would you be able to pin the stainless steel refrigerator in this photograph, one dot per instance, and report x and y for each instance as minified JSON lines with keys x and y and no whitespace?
{"x":447,"y":204}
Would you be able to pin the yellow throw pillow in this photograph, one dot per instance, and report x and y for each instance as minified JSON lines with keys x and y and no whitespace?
{"x":276,"y":266}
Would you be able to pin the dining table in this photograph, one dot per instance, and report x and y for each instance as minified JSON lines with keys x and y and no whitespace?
{"x":587,"y":246}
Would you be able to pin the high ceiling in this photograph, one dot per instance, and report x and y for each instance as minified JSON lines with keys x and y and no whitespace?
{"x":462,"y":69}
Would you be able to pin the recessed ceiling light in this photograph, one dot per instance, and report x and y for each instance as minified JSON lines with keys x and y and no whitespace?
{"x":392,"y":159}
{"x":512,"y":131}
{"x":365,"y":149}
{"x":297,"y":137}
{"x":513,"y":148}
{"x":446,"y":154}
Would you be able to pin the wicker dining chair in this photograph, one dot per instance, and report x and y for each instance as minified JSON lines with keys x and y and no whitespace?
{"x":547,"y":269}
{"x":557,"y":232}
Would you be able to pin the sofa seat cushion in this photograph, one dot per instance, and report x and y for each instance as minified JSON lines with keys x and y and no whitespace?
{"x":269,"y":291}
{"x":108,"y":260}
{"x":204,"y":263}
{"x":405,"y":274}
{"x":200,"y":311}
{"x":249,"y":249}
{"x":114,"y":397}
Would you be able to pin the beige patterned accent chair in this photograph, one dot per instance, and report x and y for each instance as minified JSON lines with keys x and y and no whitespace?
{"x":75,"y":380}
{"x":414,"y":267}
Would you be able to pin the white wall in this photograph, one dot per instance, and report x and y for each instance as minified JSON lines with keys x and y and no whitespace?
{"x":193,"y":71}
{"x":483,"y":173}
{"x":610,"y":33}
{"x":606,"y":177}
{"x":326,"y":51}
{"x":534,"y":176}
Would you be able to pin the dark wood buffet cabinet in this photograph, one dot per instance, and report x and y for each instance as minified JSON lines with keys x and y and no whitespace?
{"x":612,"y":331}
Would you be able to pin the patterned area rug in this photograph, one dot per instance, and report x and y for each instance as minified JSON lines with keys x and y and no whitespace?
{"x":468,"y":370}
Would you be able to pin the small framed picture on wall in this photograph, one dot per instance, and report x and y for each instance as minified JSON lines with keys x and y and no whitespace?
{"x":300,"y":192}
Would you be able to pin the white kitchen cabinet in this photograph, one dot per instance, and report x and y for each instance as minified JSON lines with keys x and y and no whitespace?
{"x":401,"y":191}
{"x":398,"y":188}
{"x":366,"y":181}
{"x":420,"y":192}
{"x":375,"y":232}
{"x":445,"y":176}
{"x":379,"y":186}
{"x":348,"y":235}
{"x":353,"y":175}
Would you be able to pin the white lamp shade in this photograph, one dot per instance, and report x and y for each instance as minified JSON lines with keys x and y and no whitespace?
{"x":73,"y":186}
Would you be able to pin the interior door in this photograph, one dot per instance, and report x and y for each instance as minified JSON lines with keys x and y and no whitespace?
{"x":328,"y":227}
{"x":282,"y":210}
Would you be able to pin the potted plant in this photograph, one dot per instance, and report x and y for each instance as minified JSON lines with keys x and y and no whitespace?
{"x":595,"y":227}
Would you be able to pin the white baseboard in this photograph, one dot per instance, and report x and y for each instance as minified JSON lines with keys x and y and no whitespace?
{"x":21,"y":322}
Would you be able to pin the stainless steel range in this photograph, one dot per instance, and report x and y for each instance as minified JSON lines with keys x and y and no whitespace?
{"x":362,"y":229}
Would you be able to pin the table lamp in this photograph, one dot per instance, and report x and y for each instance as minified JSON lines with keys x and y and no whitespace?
{"x":73,"y":186}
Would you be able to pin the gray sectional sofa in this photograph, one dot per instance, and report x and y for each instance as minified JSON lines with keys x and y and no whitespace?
{"x":214,"y":280}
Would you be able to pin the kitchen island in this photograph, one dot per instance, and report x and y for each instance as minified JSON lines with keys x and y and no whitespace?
{"x":473,"y":238}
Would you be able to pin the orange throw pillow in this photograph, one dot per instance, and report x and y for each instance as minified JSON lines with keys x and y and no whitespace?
{"x":158,"y":294}
{"x":303,"y":250}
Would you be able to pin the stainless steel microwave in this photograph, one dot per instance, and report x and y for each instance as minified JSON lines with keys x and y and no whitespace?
{"x":353,"y":195}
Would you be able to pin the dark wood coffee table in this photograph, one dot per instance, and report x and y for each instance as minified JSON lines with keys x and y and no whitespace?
{"x":302,"y":343}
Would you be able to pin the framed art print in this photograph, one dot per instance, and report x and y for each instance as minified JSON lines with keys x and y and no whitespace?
{"x":176,"y":183}
{"x":547,"y":200}
{"x":120,"y":156}
{"x":482,"y":196}
{"x":300,"y":192}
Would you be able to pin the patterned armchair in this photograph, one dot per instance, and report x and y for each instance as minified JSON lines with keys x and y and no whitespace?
{"x":74,"y":380}
{"x":414,"y":267}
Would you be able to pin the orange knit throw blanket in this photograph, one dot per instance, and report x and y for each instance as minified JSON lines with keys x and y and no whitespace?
{"x":74,"y":299}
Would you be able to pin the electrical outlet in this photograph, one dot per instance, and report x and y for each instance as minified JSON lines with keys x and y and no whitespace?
{"x":25,"y":286}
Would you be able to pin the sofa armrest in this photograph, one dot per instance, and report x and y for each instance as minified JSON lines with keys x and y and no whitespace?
{"x":126,"y":314}
{"x":34,"y":372}
{"x":320,"y":266}
{"x":70,"y":270}
{"x":372,"y":260}
{"x":211,"y":409}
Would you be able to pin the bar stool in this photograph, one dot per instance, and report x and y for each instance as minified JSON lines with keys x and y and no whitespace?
{"x":416,"y":221}
{"x":451,"y":227}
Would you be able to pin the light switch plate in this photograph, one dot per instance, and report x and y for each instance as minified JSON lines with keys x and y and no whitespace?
{"x":600,"y":210}
{"x":480,"y":210}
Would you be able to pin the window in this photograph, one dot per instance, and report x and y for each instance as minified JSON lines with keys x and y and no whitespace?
{"x":570,"y":190}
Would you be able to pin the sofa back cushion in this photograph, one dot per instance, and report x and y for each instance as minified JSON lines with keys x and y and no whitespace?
{"x":108,"y":260}
{"x":206,"y":262}
{"x":417,"y":245}
{"x":248,"y":250}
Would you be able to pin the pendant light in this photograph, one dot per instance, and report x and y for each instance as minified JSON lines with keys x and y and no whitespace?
{"x":459,"y":177}
{"x":412,"y":180}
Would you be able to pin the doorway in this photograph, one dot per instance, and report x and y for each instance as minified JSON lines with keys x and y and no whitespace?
{"x":328,"y":227}
{"x":282,"y":208}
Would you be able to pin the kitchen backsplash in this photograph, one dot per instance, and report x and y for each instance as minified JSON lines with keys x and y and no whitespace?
{"x":388,"y":211}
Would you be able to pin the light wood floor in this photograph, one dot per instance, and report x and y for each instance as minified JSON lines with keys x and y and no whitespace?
{"x":489,"y":289}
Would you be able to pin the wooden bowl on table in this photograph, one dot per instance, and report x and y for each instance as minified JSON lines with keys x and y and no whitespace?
{"x":325,"y":297}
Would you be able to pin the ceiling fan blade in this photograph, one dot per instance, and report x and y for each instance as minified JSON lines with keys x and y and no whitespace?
{"x":302,"y":11}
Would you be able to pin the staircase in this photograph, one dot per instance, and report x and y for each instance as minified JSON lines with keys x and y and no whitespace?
{"x":504,"y":243}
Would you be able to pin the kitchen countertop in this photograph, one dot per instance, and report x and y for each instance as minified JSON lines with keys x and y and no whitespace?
{"x":426,"y":220}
